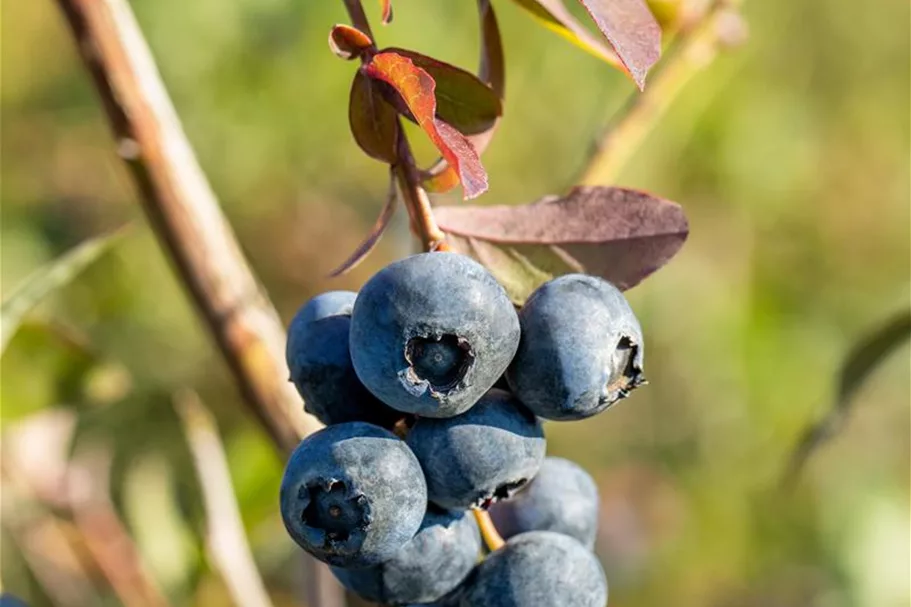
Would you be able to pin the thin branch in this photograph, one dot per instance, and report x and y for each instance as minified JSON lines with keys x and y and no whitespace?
{"x":696,"y":48}
{"x":189,"y":223}
{"x":423,"y":223}
{"x":358,"y":16}
{"x":185,"y":214}
{"x":227,"y":544}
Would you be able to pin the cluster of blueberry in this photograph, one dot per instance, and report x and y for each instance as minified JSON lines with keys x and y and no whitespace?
{"x":433,"y":388}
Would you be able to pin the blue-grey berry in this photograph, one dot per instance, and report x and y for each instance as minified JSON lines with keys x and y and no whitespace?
{"x":481,"y":456}
{"x":536,"y":569}
{"x":431,"y":565}
{"x":581,"y":349}
{"x":353,"y":494}
{"x":320,"y":364}
{"x":430,"y":334}
{"x":562,"y":497}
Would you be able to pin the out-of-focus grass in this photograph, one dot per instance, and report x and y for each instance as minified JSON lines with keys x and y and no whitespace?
{"x":790,"y":155}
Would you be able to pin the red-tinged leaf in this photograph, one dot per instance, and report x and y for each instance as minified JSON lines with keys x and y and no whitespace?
{"x":374,"y":123}
{"x":554,"y":15}
{"x":443,"y":181}
{"x":386,"y":7}
{"x":416,"y":88}
{"x":621,"y":235}
{"x":348,"y":42}
{"x":491,"y":71}
{"x":631,"y":30}
{"x":373,"y":237}
{"x":463,"y":100}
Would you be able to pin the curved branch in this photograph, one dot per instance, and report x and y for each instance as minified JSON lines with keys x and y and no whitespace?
{"x":189,"y":223}
{"x":185,"y":214}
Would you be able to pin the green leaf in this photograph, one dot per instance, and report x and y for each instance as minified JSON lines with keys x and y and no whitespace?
{"x":48,"y":279}
{"x":869,"y":352}
{"x":863,"y":358}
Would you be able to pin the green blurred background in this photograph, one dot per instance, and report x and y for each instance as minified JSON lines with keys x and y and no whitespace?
{"x":790,"y":155}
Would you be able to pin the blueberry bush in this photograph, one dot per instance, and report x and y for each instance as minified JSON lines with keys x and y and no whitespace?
{"x":454,"y":211}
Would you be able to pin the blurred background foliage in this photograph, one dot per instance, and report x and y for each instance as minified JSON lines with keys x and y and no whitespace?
{"x":790,"y":156}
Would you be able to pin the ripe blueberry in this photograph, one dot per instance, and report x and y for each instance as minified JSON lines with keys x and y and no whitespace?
{"x":320,"y":364}
{"x":352,"y":494}
{"x":537,"y":569}
{"x":432,"y":564}
{"x":485,"y":454}
{"x":562,"y":498}
{"x":430,"y":334}
{"x":581,"y":349}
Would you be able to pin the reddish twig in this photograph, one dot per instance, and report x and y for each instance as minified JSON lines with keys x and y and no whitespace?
{"x":407,"y":174}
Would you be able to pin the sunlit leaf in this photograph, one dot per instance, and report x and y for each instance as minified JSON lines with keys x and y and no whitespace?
{"x":628,"y":25}
{"x":48,"y":279}
{"x":619,"y":234}
{"x":632,"y":32}
{"x":416,"y":88}
{"x":554,"y":15}
{"x":374,"y":123}
{"x":463,"y":100}
{"x":348,"y":42}
{"x":491,"y":70}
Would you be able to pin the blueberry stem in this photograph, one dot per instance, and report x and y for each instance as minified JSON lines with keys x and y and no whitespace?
{"x":489,"y":533}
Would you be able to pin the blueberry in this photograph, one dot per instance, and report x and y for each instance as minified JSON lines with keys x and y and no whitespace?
{"x":562,"y":498}
{"x":432,"y":564}
{"x":353,"y":494}
{"x":537,"y":569}
{"x":430,"y":334}
{"x":581,"y":349}
{"x":320,"y":364}
{"x":480,"y":456}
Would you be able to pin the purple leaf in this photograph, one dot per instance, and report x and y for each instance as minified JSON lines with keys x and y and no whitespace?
{"x":619,"y":234}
